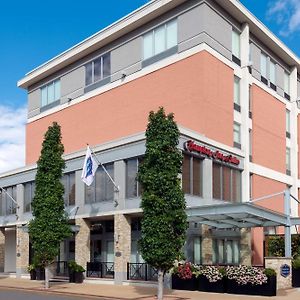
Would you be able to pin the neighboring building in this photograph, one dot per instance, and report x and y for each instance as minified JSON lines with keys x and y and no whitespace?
{"x":232,"y":86}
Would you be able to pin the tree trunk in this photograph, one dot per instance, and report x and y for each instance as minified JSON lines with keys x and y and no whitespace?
{"x":47,"y":277}
{"x":160,"y":287}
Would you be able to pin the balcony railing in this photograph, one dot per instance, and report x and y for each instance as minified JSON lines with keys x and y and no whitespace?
{"x":141,"y":271}
{"x":100,"y":269}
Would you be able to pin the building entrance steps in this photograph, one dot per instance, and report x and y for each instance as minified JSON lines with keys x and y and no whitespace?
{"x":129,"y":291}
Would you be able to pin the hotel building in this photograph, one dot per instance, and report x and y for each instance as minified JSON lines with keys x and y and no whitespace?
{"x":232,"y":86}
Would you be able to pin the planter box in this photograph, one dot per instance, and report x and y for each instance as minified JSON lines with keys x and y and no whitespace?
{"x":32,"y":275}
{"x":76,"y":277}
{"x":40,"y":273}
{"x":204,"y":285}
{"x":184,"y":284}
{"x":295,"y":277}
{"x":266,"y":289}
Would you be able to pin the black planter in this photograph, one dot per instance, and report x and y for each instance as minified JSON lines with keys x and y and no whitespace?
{"x":40,"y":273}
{"x":184,"y":284}
{"x":78,"y":277}
{"x":204,"y":285}
{"x":296,"y":277}
{"x":32,"y":275}
{"x":266,"y":289}
{"x":71,"y":276}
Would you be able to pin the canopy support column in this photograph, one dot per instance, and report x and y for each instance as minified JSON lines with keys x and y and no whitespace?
{"x":287,"y":229}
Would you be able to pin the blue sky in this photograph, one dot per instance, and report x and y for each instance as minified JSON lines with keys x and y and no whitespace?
{"x":33,"y":32}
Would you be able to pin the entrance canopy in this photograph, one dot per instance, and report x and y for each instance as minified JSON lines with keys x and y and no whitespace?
{"x":239,"y":215}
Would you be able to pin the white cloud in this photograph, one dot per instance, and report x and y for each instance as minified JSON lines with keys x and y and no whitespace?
{"x":286,"y":13}
{"x":12,"y":137}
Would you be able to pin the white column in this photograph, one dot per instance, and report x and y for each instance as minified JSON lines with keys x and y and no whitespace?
{"x":245,"y":122}
{"x":294,"y":140}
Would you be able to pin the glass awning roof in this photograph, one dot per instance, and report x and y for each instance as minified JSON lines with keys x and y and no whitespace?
{"x":238,"y":215}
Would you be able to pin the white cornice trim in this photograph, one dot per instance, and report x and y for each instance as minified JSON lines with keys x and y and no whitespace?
{"x":138,"y":18}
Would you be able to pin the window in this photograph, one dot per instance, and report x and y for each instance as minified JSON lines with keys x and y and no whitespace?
{"x":263,"y":68}
{"x":68,"y":181}
{"x":97,"y":69}
{"x":50,"y":93}
{"x":273,"y":75}
{"x":226,"y":183}
{"x":197,"y":250}
{"x":250,"y":101}
{"x":192,"y":175}
{"x":237,"y":94}
{"x":236,"y":52}
{"x":29,"y":192}
{"x":226,"y":251}
{"x":160,"y":39}
{"x":237,"y":135}
{"x":250,"y":186}
{"x":286,"y":85}
{"x":8,"y":206}
{"x":133,"y":188}
{"x":102,"y":189}
{"x":288,"y":123}
{"x":288,"y":161}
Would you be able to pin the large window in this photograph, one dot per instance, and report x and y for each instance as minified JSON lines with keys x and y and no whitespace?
{"x":29,"y":192}
{"x":288,"y":160}
{"x":286,"y":85}
{"x":50,"y":93}
{"x":263,"y":68}
{"x":192,"y":175}
{"x":226,"y":251}
{"x":7,"y":205}
{"x":226,"y":183}
{"x":237,"y":94}
{"x":236,"y":48}
{"x":68,"y":181}
{"x":237,"y":135}
{"x":288,"y":123}
{"x":97,"y":69}
{"x":160,"y":39}
{"x":102,"y":189}
{"x":133,"y":188}
{"x":273,"y":75}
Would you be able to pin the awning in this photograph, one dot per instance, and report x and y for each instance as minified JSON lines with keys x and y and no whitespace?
{"x":238,"y":215}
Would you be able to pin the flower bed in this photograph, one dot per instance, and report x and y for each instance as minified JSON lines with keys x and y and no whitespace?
{"x":183,"y":277}
{"x":232,"y":279}
{"x":211,"y":279}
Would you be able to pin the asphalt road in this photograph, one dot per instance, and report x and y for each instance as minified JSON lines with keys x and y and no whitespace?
{"x":13,"y":294}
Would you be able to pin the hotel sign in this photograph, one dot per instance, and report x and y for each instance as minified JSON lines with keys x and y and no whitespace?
{"x":191,"y":146}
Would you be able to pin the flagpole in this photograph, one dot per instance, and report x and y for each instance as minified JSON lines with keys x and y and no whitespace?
{"x":99,"y":163}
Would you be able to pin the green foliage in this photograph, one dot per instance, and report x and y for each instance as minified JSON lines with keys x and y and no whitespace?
{"x":276,"y":246}
{"x":164,"y":220}
{"x":74,"y":267}
{"x":31,"y":267}
{"x":296,"y":263}
{"x":269,"y":272}
{"x":50,"y":224}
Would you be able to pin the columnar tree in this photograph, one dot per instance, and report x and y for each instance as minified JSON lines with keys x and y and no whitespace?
{"x":49,"y":225}
{"x":164,"y":221}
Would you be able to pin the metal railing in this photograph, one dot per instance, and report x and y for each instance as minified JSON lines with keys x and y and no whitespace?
{"x":141,"y":271}
{"x":62,"y":268}
{"x":100,"y":269}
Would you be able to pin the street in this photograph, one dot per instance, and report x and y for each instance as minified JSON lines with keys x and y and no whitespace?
{"x":14,"y":294}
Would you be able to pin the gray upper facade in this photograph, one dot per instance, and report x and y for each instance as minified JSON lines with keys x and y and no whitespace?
{"x":197,"y":22}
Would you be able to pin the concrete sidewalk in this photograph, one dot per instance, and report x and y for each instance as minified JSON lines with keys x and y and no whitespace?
{"x":130,"y":292}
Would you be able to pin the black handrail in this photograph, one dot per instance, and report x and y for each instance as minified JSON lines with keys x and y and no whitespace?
{"x":141,"y":271}
{"x":100,"y":269}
